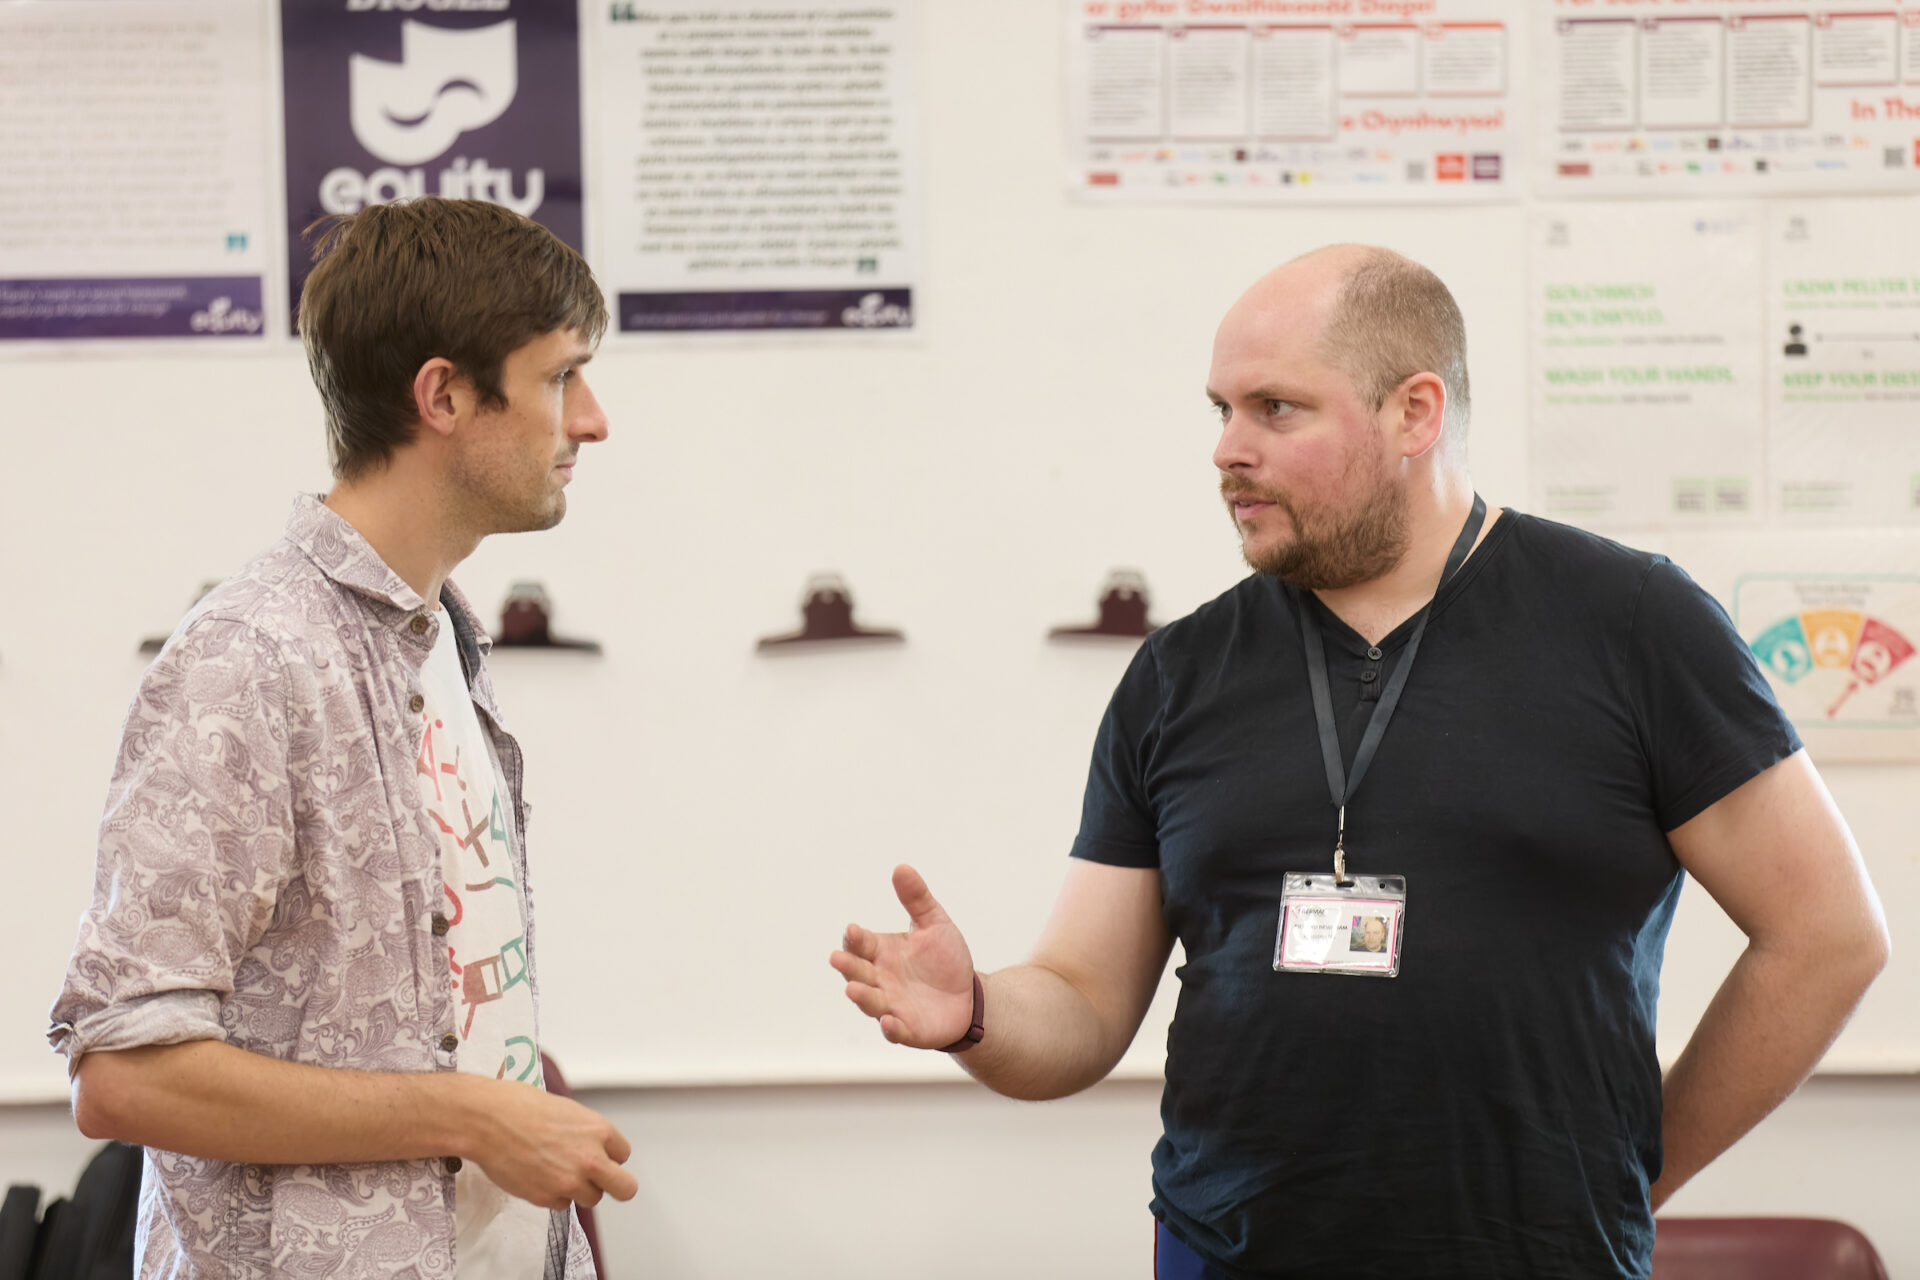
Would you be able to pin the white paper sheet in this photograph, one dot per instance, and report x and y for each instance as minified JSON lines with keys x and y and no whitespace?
{"x":133,"y":171}
{"x":1726,"y":97}
{"x":1291,"y":100}
{"x":757,"y":166}
{"x":1843,"y":341}
{"x":1645,"y":376}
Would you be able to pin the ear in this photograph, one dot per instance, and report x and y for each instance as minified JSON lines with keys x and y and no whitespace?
{"x":440,"y":396}
{"x":1422,"y":402}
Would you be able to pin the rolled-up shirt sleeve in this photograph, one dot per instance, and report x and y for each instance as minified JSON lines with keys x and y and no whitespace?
{"x":195,"y":845}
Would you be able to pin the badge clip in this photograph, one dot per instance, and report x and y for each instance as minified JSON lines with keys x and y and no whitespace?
{"x":1340,"y":852}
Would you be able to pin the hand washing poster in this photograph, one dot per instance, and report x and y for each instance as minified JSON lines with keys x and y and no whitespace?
{"x":1645,"y":378}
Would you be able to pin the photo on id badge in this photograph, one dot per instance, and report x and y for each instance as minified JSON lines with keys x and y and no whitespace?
{"x":1329,"y":929}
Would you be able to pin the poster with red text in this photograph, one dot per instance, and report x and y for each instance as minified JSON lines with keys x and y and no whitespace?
{"x":1726,"y":97}
{"x":1323,"y":101}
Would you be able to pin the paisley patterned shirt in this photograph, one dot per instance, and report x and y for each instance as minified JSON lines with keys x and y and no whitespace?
{"x":267,"y":875}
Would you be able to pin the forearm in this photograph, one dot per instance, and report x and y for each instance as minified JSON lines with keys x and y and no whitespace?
{"x":207,"y":1098}
{"x":1044,"y":1038}
{"x":1765,"y":1030}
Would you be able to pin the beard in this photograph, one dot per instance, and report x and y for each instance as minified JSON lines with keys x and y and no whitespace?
{"x":497,"y":493}
{"x":1331,"y":549}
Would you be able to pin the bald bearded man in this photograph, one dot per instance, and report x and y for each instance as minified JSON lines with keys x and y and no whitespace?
{"x":1451,"y":718}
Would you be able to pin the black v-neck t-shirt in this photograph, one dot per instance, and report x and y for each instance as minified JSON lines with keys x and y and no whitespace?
{"x":1494,"y":1110}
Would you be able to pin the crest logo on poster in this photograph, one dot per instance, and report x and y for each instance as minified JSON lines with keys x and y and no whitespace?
{"x":446,"y":83}
{"x":221,"y":316}
{"x":875,"y":312}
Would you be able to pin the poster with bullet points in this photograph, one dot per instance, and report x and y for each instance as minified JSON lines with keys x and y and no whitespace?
{"x":1740,"y":97}
{"x":1265,"y":102}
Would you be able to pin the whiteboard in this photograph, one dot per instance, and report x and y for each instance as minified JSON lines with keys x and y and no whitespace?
{"x":705,"y":819}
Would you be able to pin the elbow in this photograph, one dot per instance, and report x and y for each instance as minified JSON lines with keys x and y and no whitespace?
{"x":1879,"y":954}
{"x":99,"y":1096}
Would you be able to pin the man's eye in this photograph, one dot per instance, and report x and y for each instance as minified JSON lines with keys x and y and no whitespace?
{"x":1279,"y":408}
{"x":1222,"y":410}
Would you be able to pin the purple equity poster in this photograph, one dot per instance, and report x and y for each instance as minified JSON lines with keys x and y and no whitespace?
{"x":474,"y":99}
{"x":133,"y":172}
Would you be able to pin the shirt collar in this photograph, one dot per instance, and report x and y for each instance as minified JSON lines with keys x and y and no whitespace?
{"x":339,"y":551}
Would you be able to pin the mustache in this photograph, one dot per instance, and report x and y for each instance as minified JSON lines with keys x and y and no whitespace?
{"x":1234,"y":487}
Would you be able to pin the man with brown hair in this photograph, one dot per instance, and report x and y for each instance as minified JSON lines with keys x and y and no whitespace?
{"x":306,"y":982}
{"x":1582,"y":727}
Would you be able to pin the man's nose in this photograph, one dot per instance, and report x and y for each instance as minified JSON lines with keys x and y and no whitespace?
{"x":1235,"y":449}
{"x":588,"y":421}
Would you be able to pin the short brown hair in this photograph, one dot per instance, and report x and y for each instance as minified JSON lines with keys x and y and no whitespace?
{"x":396,"y":285}
{"x":1393,"y":319}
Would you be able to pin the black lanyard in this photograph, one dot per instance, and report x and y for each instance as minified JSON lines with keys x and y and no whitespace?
{"x":1339,"y":784}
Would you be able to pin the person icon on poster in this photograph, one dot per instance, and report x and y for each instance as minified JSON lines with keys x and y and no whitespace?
{"x":1796,"y":341}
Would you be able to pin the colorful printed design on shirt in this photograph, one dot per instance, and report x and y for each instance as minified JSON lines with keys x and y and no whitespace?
{"x":1837,"y":650}
{"x":486,"y":944}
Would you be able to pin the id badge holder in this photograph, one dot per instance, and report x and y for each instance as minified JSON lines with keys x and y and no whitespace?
{"x":1334,"y":925}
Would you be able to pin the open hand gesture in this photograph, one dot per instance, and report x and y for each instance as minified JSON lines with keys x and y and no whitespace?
{"x":919,"y":984}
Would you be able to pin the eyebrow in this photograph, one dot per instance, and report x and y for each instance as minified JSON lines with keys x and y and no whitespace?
{"x":574,"y":360}
{"x":1265,"y":392}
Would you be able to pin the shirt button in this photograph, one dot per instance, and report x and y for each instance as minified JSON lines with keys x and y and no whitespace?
{"x":416,"y":702}
{"x":439,"y":925}
{"x":420,"y":624}
{"x":449,"y":1042}
{"x":1373,"y":651}
{"x":1368,"y":677}
{"x":453,"y":1164}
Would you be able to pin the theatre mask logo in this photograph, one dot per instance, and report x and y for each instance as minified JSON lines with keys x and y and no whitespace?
{"x":461,"y":102}
{"x":446,"y":83}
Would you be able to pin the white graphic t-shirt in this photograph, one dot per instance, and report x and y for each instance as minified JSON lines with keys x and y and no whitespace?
{"x":496,"y":1236}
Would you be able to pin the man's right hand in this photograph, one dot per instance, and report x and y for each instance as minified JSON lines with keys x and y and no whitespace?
{"x":918,"y":984}
{"x":547,"y":1149}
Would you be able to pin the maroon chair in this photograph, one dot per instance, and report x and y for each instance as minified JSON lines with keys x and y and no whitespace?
{"x":1762,"y":1249}
{"x":557,"y":1084}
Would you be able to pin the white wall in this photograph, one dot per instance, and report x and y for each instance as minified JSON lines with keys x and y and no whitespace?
{"x":975,"y":485}
{"x":950,"y":1182}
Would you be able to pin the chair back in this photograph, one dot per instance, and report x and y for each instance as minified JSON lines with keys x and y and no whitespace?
{"x":1762,"y":1249}
{"x":557,"y":1084}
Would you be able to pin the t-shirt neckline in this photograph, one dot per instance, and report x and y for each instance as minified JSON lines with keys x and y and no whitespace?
{"x":1336,"y":629}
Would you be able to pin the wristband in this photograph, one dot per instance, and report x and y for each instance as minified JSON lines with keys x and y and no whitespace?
{"x":979,"y":1027}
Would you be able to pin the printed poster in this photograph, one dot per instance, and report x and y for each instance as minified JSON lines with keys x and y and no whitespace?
{"x":1704,"y":99}
{"x":1645,"y":378}
{"x":133,"y":167}
{"x":1292,"y":101}
{"x":1843,"y":344}
{"x":1838,"y":650}
{"x":757,"y":166}
{"x":478,"y":99}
